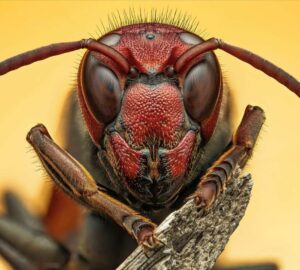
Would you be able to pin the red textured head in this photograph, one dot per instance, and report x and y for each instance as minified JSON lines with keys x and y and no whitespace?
{"x":147,"y":124}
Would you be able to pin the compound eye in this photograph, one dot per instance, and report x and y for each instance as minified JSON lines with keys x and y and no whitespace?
{"x":201,"y":89}
{"x":190,"y":38}
{"x":101,"y":90}
{"x":111,"y":39}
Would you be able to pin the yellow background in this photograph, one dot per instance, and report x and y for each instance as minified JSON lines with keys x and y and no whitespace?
{"x":270,"y":229}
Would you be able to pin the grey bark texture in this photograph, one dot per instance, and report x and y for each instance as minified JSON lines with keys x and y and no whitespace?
{"x":194,"y":238}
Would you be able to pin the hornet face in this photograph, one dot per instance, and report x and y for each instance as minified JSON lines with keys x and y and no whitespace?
{"x":149,"y":141}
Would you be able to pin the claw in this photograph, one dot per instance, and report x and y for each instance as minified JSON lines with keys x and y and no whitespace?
{"x":206,"y":196}
{"x":200,"y":201}
{"x":153,"y":241}
{"x":196,"y":200}
{"x":150,"y":243}
{"x":146,"y":238}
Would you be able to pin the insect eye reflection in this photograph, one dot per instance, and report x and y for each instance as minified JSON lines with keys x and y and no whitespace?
{"x":200,"y":90}
{"x":102,"y":91}
{"x":111,"y":40}
{"x":189,"y":38}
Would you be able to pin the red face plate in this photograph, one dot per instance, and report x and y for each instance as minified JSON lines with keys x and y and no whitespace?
{"x":153,"y":114}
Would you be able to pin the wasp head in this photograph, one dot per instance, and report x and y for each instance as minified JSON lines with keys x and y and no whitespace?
{"x":143,"y":121}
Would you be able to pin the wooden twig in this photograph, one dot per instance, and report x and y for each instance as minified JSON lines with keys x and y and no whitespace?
{"x":194,"y":238}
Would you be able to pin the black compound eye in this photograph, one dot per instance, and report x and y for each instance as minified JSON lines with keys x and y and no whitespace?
{"x":201,"y":89}
{"x":102,"y":91}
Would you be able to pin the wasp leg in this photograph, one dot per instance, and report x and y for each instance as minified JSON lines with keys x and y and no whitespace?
{"x":213,"y":182}
{"x":77,"y":182}
{"x":18,"y":212}
{"x":22,"y":240}
{"x":17,"y":260}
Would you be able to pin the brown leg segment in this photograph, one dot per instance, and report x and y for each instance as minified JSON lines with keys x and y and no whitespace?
{"x":76,"y":181}
{"x":23,"y":241}
{"x":215,"y":179}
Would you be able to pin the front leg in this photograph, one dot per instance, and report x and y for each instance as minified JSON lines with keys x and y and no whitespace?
{"x":213,"y":182}
{"x":76,"y":181}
